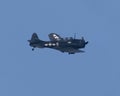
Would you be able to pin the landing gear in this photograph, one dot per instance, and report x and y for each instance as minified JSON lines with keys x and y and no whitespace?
{"x":33,"y":49}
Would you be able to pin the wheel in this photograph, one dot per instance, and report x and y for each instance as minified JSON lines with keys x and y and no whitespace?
{"x":32,"y":49}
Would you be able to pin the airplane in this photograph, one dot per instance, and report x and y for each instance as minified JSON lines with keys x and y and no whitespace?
{"x":69,"y":44}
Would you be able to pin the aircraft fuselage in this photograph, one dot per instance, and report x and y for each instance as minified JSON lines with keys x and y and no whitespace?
{"x":71,"y":45}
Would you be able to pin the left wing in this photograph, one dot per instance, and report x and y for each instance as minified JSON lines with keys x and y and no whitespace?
{"x":54,"y":37}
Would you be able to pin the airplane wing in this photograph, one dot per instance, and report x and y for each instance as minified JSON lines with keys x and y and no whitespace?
{"x":54,"y":37}
{"x":69,"y":50}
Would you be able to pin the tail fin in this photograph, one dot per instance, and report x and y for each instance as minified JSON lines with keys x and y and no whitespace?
{"x":34,"y":38}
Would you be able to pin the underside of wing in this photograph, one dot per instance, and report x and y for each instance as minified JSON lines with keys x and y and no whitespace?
{"x":69,"y":50}
{"x":54,"y":37}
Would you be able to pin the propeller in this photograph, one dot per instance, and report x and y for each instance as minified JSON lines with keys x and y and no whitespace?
{"x":84,"y":40}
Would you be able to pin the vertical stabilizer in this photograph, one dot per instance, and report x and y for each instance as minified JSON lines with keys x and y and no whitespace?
{"x":34,"y":37}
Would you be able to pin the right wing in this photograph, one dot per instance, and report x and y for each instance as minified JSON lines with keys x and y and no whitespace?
{"x":69,"y":50}
{"x":55,"y":37}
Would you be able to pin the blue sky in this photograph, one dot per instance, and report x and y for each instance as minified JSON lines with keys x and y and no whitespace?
{"x":47,"y":72}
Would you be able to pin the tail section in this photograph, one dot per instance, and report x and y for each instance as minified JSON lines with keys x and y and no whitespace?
{"x":34,"y":38}
{"x":35,"y":42}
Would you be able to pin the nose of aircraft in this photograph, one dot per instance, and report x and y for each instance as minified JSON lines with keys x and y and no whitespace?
{"x":86,"y":42}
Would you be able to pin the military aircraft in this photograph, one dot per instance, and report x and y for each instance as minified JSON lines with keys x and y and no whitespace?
{"x":69,"y":44}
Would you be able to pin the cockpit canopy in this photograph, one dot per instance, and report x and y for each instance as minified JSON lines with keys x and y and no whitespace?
{"x":56,"y":37}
